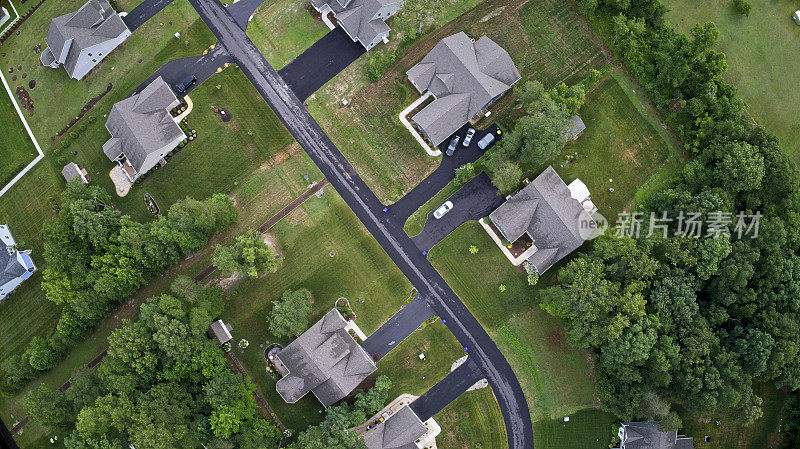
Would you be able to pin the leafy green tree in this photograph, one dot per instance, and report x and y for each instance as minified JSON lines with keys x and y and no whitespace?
{"x":41,"y":354}
{"x":464,"y":174}
{"x":289,"y":315}
{"x":248,"y":255}
{"x":47,"y":406}
{"x":507,"y":177}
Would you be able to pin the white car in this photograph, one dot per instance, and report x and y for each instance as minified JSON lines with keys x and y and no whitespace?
{"x":468,"y":137}
{"x":442,"y":210}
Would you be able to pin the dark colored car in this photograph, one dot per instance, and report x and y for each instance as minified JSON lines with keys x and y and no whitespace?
{"x":187,"y":83}
{"x":453,"y":144}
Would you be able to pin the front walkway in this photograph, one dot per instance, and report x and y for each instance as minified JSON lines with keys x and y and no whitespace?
{"x":320,"y":63}
{"x":404,"y":120}
{"x":477,"y":199}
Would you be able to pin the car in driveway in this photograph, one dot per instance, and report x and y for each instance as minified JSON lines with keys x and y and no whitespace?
{"x":468,"y":137}
{"x":442,"y":210}
{"x":186,"y":83}
{"x":453,"y":145}
{"x":488,"y":139}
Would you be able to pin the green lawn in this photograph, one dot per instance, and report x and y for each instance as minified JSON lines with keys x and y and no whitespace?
{"x":486,"y":428}
{"x":586,"y":429}
{"x":283,"y":29}
{"x":16,"y":148}
{"x":756,"y":49}
{"x":532,"y":341}
{"x":730,"y":434}
{"x":625,"y":147}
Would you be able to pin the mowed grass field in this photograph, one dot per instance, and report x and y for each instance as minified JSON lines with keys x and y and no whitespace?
{"x":16,"y":147}
{"x":283,"y":29}
{"x":758,"y":51}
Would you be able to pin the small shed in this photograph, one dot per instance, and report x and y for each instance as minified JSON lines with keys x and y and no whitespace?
{"x":4,"y":16}
{"x":220,"y":331}
{"x":573,"y":128}
{"x":73,"y":170}
{"x":796,"y":17}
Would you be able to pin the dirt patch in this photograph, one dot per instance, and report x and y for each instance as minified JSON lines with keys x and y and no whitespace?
{"x":556,"y":339}
{"x":280,"y":157}
{"x":272,"y":241}
{"x":25,"y":100}
{"x":229,"y":283}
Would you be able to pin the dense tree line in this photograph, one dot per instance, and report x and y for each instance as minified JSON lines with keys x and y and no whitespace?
{"x":164,"y":384}
{"x":96,"y":257}
{"x":685,"y":320}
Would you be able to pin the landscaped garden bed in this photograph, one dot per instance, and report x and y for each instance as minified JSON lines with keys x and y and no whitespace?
{"x":151,"y":204}
{"x":343,"y":306}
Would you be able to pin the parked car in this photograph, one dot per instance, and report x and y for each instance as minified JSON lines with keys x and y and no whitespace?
{"x":187,"y":83}
{"x":453,"y":144}
{"x":468,"y":137}
{"x":442,"y":210}
{"x":488,"y":139}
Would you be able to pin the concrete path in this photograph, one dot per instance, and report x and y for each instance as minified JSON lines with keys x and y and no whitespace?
{"x":366,"y":206}
{"x":398,"y":327}
{"x":321,"y":62}
{"x":447,"y":390}
{"x":475,"y":200}
{"x":144,"y":12}
{"x":242,"y":10}
{"x":430,"y":186}
{"x":202,"y":67}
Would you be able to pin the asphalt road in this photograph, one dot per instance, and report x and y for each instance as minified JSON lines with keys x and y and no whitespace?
{"x":399,"y":326}
{"x":144,"y":12}
{"x":177,"y":70}
{"x":444,"y":173}
{"x":368,"y":209}
{"x":242,"y":10}
{"x":447,"y":390}
{"x":475,"y":200}
{"x":321,"y":62}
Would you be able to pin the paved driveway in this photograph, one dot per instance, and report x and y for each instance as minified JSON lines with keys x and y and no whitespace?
{"x":144,"y":12}
{"x":242,"y":10}
{"x":477,"y":199}
{"x":399,"y":326}
{"x":320,"y":63}
{"x":177,"y":70}
{"x":430,"y":186}
{"x":447,"y":390}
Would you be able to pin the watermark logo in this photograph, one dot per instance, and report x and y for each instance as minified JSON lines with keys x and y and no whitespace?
{"x":712,"y":224}
{"x":591,"y":228}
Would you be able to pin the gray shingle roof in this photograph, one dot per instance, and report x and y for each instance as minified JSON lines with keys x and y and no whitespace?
{"x":465,"y":77}
{"x":644,"y":435}
{"x":326,"y":360}
{"x":546,"y":211}
{"x":14,"y":265}
{"x":95,"y":22}
{"x":573,"y":128}
{"x":142,"y":124}
{"x":358,"y":17}
{"x":220,"y":331}
{"x":399,"y":431}
{"x":71,"y":171}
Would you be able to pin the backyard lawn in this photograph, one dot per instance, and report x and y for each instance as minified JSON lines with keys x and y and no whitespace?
{"x":486,"y":429}
{"x":16,"y":148}
{"x":757,"y":50}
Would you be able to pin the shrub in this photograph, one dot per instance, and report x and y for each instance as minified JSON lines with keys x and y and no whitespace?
{"x":742,"y":7}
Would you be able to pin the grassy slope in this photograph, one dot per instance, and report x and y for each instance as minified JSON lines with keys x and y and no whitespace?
{"x":758,"y":50}
{"x":586,"y":429}
{"x":486,"y":429}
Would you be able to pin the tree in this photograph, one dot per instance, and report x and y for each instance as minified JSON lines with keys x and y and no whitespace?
{"x":47,"y":406}
{"x":289,"y":315}
{"x":41,"y":354}
{"x":249,"y":255}
{"x":742,"y":7}
{"x":464,"y":174}
{"x":507,"y":177}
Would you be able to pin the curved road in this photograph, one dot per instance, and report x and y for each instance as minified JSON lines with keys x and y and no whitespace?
{"x":368,"y":209}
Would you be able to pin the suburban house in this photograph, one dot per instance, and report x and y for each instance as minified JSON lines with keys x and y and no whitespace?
{"x":645,"y":435}
{"x":78,"y":41}
{"x":15,"y":266}
{"x":4,"y":16}
{"x":142,"y":129}
{"x":464,"y":77}
{"x":363,"y":20}
{"x":325,"y":360}
{"x":574,"y":128}
{"x":554,"y":217}
{"x":401,"y":430}
{"x":73,"y":170}
{"x":220,"y":332}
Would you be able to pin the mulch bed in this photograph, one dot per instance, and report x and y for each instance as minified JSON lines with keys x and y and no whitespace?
{"x":85,"y":109}
{"x":25,"y":100}
{"x":224,"y":114}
